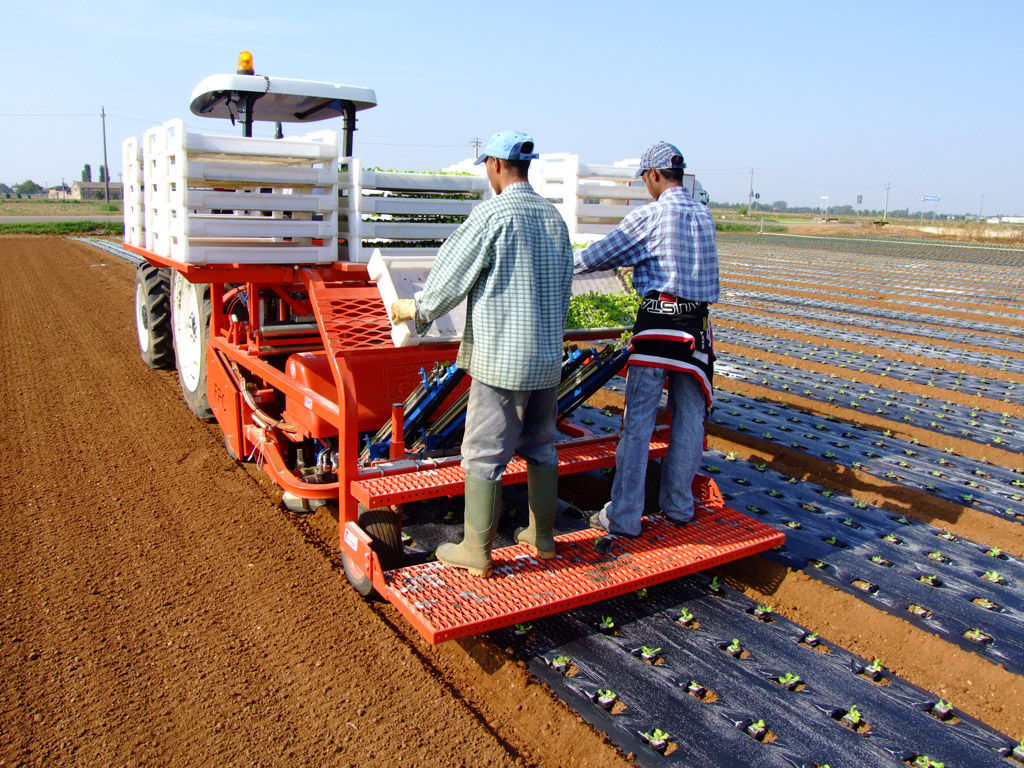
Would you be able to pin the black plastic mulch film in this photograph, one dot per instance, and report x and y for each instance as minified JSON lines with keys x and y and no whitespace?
{"x":978,"y":357}
{"x":976,"y":425}
{"x":992,"y":344}
{"x":968,"y":593}
{"x":877,"y":365}
{"x":719,"y":692}
{"x":971,"y":483}
{"x":965,"y":326}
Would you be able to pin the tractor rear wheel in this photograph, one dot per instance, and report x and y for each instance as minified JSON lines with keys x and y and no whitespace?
{"x":153,"y":315}
{"x":384,"y":528}
{"x":190,"y":320}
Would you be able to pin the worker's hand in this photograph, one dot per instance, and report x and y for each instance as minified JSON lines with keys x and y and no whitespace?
{"x":403,"y":309}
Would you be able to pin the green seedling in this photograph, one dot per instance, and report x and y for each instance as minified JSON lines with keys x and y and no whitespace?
{"x":994,"y":552}
{"x":734,"y":648}
{"x":923,"y":761}
{"x":977,"y":636}
{"x":607,"y":624}
{"x":560,"y":663}
{"x":947,"y":536}
{"x":606,"y":698}
{"x":984,"y":602}
{"x":875,"y":667}
{"x":762,"y":610}
{"x":994,"y":577}
{"x":942,"y":709}
{"x":522,"y":629}
{"x":789,"y":681}
{"x":757,"y":729}
{"x":685,"y":616}
{"x":716,"y":585}
{"x":1018,"y":751}
{"x":657,"y":739}
{"x":696,"y":689}
{"x":811,"y":639}
{"x":931,"y":579}
{"x":649,"y":654}
{"x":919,"y":610}
{"x":853,"y":715}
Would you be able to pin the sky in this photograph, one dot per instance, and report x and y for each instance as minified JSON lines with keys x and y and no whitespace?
{"x":796,"y":100}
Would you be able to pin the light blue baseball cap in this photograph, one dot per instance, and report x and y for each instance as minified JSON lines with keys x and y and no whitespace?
{"x":509,"y":145}
{"x":660,"y":156}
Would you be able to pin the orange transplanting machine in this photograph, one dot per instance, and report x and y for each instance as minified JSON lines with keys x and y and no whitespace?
{"x":267,"y":267}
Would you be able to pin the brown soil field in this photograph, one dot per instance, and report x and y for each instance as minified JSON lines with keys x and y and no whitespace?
{"x":160,"y":607}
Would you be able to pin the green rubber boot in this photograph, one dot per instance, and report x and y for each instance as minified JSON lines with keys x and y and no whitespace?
{"x":539,"y":536}
{"x":483,"y":508}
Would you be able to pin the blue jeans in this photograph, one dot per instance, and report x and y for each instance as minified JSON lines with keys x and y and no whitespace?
{"x":501,"y":422}
{"x":687,"y":407}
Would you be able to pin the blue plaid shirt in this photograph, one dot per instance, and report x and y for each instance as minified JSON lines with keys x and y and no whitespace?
{"x":670,"y":243}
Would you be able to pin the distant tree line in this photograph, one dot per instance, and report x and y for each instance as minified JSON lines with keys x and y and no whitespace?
{"x":780,"y":206}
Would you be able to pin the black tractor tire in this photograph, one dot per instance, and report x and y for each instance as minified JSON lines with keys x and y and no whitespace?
{"x":384,"y":527}
{"x":190,"y":323}
{"x":153,"y":315}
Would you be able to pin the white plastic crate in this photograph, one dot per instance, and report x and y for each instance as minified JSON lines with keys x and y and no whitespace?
{"x":221,"y":199}
{"x":403,"y":277}
{"x":376,"y":206}
{"x":592,"y":198}
{"x":131,"y":192}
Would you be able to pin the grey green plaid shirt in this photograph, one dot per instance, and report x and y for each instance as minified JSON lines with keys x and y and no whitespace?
{"x":513,"y":260}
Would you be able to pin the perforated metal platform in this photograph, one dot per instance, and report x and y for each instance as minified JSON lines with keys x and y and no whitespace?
{"x":573,"y":457}
{"x":443,"y":603}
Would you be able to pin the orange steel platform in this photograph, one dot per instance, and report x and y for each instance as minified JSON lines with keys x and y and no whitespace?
{"x":443,"y":603}
{"x":575,"y":456}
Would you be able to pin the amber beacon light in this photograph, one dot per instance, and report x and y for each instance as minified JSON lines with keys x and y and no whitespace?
{"x":244,"y":64}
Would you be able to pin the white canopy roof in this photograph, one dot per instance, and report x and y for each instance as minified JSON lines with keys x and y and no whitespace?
{"x":281,"y":99}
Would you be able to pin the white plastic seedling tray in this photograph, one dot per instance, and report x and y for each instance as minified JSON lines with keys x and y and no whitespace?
{"x":403,"y":277}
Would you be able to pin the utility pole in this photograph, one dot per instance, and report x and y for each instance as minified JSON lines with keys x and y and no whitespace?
{"x":106,"y":165}
{"x":476,"y":147}
{"x":981,"y":204}
{"x":750,"y":195}
{"x":885,"y":213}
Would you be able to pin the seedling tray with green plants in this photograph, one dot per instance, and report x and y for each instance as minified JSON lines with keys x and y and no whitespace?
{"x":691,"y":673}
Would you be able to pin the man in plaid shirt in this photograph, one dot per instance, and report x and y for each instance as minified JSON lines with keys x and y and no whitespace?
{"x":512,"y":260}
{"x":670,"y":244}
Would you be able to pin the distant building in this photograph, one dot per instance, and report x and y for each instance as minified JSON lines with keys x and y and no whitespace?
{"x":95,"y":190}
{"x":60,"y":192}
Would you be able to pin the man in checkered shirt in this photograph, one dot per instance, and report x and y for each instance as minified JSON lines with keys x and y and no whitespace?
{"x":512,"y":260}
{"x":670,"y":244}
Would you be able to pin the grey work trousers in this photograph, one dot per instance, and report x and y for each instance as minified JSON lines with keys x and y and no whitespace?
{"x":501,"y":422}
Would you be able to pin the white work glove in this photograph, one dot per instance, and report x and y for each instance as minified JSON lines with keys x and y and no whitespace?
{"x":403,"y":309}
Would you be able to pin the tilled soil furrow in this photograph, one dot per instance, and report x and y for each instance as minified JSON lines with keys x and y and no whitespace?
{"x":159,"y":606}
